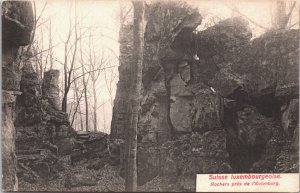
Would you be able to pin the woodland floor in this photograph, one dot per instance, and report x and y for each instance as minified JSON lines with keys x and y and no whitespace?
{"x":108,"y":180}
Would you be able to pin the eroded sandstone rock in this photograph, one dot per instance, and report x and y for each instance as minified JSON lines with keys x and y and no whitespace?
{"x":17,"y":23}
{"x":51,"y":88}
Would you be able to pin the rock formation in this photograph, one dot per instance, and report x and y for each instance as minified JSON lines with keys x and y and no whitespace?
{"x":43,"y":132}
{"x":214,"y":101}
{"x":35,"y":132}
{"x":228,"y":98}
{"x":17,"y":23}
{"x":51,"y":88}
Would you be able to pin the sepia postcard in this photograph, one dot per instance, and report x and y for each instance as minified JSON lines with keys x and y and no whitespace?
{"x":150,"y":96}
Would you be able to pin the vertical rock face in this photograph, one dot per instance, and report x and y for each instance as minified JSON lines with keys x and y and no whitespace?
{"x":162,"y":27}
{"x":50,"y":88}
{"x":28,"y":104}
{"x":17,"y":22}
{"x":120,"y":119}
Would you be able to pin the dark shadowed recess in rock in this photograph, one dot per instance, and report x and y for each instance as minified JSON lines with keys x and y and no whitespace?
{"x":268,"y":105}
{"x":241,"y":156}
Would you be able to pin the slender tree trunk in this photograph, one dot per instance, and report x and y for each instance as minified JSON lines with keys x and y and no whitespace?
{"x":95,"y":106}
{"x":280,"y":15}
{"x":104,"y":118}
{"x":68,"y":71}
{"x":50,"y":46}
{"x":94,"y":76}
{"x":85,"y":101}
{"x":84,"y":82}
{"x":78,"y":98}
{"x":64,"y":101}
{"x":136,"y":84}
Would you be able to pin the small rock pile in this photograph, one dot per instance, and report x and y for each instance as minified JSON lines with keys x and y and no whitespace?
{"x":95,"y":149}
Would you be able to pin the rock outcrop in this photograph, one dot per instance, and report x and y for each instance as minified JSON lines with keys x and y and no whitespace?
{"x":43,"y":131}
{"x":35,"y":132}
{"x":120,"y":118}
{"x":260,"y":76}
{"x":88,"y":147}
{"x":216,"y":93}
{"x":51,"y":88}
{"x":17,"y":24}
{"x":167,"y":95}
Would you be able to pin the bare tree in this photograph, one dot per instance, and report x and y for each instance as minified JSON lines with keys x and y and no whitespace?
{"x":69,"y":53}
{"x":50,"y":46}
{"x":94,"y":77}
{"x":77,"y":99}
{"x":84,"y":82}
{"x":36,"y":45}
{"x":136,"y":84}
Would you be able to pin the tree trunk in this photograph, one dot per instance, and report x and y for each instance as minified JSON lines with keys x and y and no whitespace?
{"x":95,"y":106}
{"x":136,"y":84}
{"x":104,"y":117}
{"x":64,"y":101}
{"x":86,"y":109}
{"x":9,"y":160}
{"x":78,"y":99}
{"x":280,"y":15}
{"x":84,"y":82}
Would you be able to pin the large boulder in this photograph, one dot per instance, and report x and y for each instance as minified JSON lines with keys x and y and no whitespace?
{"x":17,"y":17}
{"x":180,"y":104}
{"x":180,"y":160}
{"x":88,"y":148}
{"x":207,"y":110}
{"x":239,"y":67}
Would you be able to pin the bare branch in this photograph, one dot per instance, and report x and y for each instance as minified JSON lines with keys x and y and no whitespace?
{"x":75,"y":78}
{"x":43,"y":9}
{"x":297,"y":23}
{"x":290,"y":13}
{"x":38,"y":53}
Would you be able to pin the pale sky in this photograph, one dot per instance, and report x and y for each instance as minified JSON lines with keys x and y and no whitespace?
{"x":102,"y":16}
